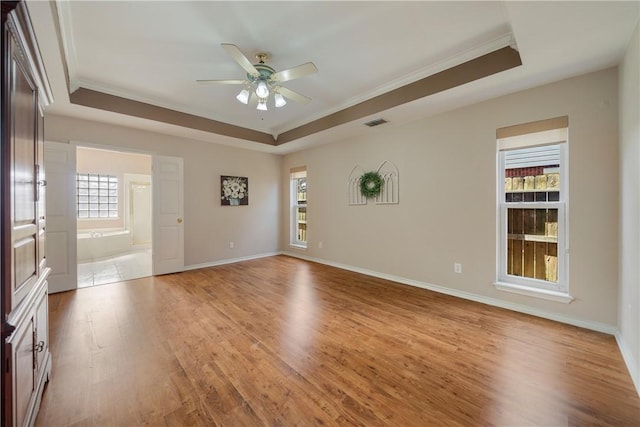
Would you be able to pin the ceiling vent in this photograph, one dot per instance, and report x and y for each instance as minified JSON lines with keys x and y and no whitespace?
{"x":376,"y":122}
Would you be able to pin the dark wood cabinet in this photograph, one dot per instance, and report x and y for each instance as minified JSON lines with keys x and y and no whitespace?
{"x":26,"y":360}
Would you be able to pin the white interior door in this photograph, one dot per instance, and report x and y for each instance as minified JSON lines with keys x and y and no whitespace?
{"x":61,"y":228}
{"x":168,"y":226}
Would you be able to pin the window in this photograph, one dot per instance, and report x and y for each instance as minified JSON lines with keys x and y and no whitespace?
{"x":97,"y":196}
{"x":532,"y":199}
{"x":299,"y":207}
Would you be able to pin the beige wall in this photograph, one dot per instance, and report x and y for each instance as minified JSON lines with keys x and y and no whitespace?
{"x":208,"y":226}
{"x":447,"y":210}
{"x":89,"y":160}
{"x":629,"y":302}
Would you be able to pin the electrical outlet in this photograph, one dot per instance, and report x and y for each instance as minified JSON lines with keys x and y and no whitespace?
{"x":231,"y":245}
{"x":319,"y":245}
{"x":457,"y":267}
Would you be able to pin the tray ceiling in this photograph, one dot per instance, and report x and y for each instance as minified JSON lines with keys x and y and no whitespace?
{"x":151,"y":53}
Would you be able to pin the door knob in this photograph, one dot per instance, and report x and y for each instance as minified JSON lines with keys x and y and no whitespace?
{"x":179,"y":220}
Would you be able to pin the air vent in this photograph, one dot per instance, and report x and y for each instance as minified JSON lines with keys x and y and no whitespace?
{"x":376,"y":122}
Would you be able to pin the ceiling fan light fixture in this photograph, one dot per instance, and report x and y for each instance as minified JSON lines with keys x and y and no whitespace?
{"x":279,"y":100}
{"x":263,"y":81}
{"x":243,"y":96}
{"x":262,"y":90}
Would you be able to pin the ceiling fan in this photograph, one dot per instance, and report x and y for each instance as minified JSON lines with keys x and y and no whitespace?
{"x":262,"y":80}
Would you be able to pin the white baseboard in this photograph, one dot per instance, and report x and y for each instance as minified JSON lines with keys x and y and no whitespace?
{"x":629,"y":360}
{"x":595,"y":326}
{"x":229,"y":261}
{"x":627,"y":356}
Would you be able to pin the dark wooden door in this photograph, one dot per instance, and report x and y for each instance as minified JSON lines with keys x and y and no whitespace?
{"x":23,"y":179}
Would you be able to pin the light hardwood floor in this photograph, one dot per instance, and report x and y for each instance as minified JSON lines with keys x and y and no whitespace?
{"x":284,"y":342}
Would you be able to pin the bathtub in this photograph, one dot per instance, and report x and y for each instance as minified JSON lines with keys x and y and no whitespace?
{"x":96,"y":244}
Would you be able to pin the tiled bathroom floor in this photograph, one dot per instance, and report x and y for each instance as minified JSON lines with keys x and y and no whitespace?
{"x":132,"y":265}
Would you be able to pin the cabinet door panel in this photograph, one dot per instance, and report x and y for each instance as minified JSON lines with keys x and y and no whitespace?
{"x":24,"y":138}
{"x":24,"y":257}
{"x":23,"y":371}
{"x":24,"y":224}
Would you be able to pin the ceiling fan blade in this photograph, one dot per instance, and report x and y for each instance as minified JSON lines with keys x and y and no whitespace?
{"x":223,"y":82}
{"x":239,"y":57}
{"x":295,"y":72}
{"x":288,"y":93}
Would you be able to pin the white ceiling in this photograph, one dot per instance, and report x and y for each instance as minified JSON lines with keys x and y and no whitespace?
{"x":154,"y":51}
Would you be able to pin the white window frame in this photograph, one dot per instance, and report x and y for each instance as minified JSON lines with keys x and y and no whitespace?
{"x":296,"y":175}
{"x":523,"y":285}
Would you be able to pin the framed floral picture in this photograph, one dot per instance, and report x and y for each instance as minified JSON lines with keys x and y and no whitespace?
{"x":234,"y":190}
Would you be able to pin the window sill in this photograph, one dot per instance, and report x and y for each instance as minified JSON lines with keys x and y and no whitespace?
{"x":297,"y":246}
{"x":533,"y":292}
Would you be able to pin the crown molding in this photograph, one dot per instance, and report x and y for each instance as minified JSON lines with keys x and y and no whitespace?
{"x":491,"y":63}
{"x":65,"y":24}
{"x":486,"y":65}
{"x":480,"y":49}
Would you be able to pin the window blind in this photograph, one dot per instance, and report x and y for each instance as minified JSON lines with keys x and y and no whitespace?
{"x":531,"y":157}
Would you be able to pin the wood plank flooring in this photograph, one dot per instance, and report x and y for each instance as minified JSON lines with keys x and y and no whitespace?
{"x":284,"y":342}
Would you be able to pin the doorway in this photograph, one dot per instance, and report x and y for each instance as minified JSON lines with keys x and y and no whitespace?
{"x":84,"y":227}
{"x":114,"y":211}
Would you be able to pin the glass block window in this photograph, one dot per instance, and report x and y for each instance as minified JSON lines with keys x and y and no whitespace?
{"x":97,"y":196}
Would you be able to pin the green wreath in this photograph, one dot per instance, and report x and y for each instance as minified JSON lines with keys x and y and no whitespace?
{"x":370,"y":184}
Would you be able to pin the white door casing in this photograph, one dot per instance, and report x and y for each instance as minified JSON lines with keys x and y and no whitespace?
{"x":168,"y":224}
{"x":61,"y":229}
